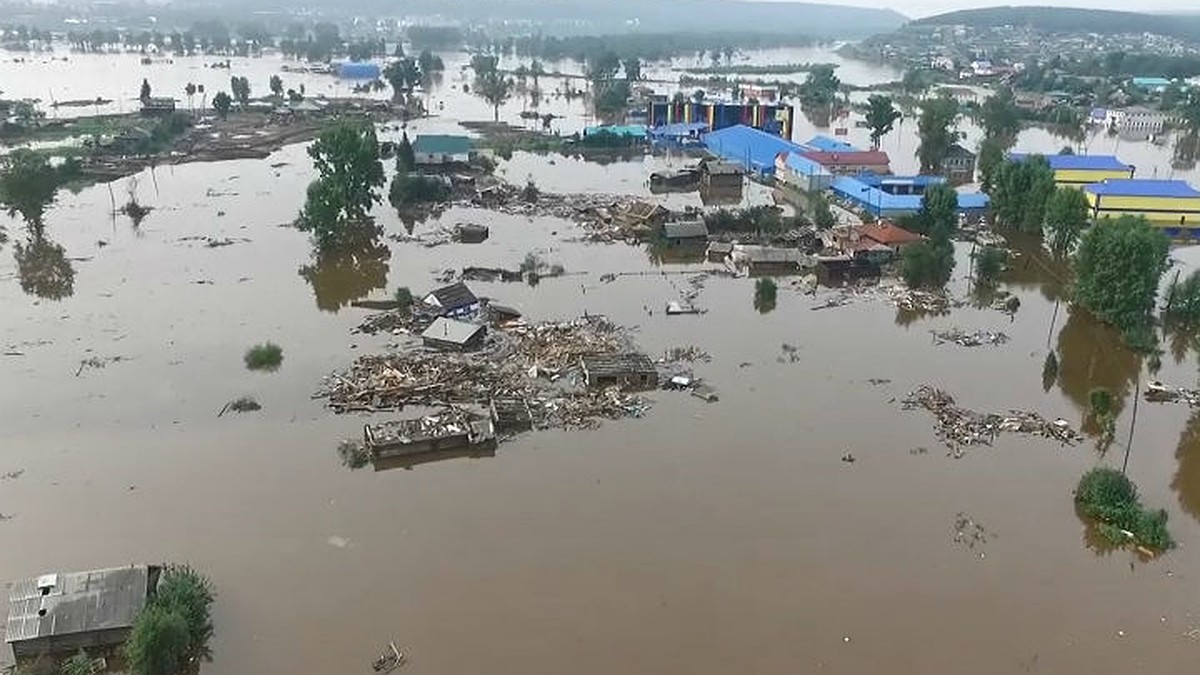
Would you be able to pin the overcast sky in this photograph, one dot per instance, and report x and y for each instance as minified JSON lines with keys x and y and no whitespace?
{"x":916,"y":8}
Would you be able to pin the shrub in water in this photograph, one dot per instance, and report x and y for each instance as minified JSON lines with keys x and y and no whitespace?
{"x":264,"y":356}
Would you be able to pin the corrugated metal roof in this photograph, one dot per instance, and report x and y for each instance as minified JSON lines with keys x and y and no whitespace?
{"x":78,"y":602}
{"x":1078,"y":162}
{"x":851,"y":158}
{"x":756,"y":150}
{"x":454,"y":296}
{"x":679,"y":129}
{"x":804,"y":166}
{"x":627,"y":130}
{"x":688,"y":229}
{"x":449,"y":330}
{"x":877,"y":200}
{"x":820,"y":143}
{"x":1139,"y":187}
{"x":442,"y":144}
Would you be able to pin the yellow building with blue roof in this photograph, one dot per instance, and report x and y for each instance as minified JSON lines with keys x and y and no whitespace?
{"x":1080,"y":170}
{"x":1171,"y":204}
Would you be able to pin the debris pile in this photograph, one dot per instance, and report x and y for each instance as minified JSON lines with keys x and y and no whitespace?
{"x":915,"y":300}
{"x":1157,"y":392}
{"x":689,"y":354}
{"x":961,"y":427}
{"x":965,"y":339}
{"x":535,"y":364}
{"x":970,"y":533}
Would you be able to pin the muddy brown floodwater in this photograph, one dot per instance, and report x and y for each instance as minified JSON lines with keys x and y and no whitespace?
{"x":702,"y":538}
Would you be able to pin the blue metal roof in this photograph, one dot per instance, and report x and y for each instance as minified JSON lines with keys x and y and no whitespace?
{"x":877,"y":201}
{"x":919,"y":180}
{"x":441,"y":144}
{"x":679,"y":130}
{"x":1139,"y":187}
{"x":755,"y":150}
{"x":627,"y":130}
{"x":1078,"y":162}
{"x":353,"y":70}
{"x":822,"y":143}
{"x":1151,"y":82}
{"x":804,"y":166}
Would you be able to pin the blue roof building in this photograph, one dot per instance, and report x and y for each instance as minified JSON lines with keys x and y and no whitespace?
{"x":755,"y":150}
{"x":354,"y":70}
{"x":883,"y":204}
{"x":1079,"y":170}
{"x":1151,"y":83}
{"x":821,"y":143}
{"x":900,"y":185}
{"x":623,"y":130}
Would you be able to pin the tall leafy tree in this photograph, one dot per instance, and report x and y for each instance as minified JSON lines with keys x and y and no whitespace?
{"x":1021,"y":191}
{"x":403,"y":75}
{"x":820,"y":87}
{"x":276,"y":85}
{"x":493,"y":87}
{"x":346,"y":157}
{"x":1067,"y":214}
{"x":222,"y":102}
{"x":937,"y":129}
{"x":1000,"y":118}
{"x":633,"y":68}
{"x":930,"y":263}
{"x":145,"y":92}
{"x":988,"y":161}
{"x":1118,"y":267}
{"x":881,"y":117}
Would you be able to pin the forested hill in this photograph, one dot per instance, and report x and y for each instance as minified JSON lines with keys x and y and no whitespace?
{"x":1064,"y":19}
{"x":596,"y":17}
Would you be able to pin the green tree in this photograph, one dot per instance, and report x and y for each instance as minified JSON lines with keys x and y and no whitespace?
{"x":1118,"y":267}
{"x":276,"y":85}
{"x":1067,"y":214}
{"x":881,"y":117}
{"x":1021,"y":191}
{"x":989,"y":263}
{"x":820,"y":87}
{"x":822,"y":214}
{"x":145,"y":93}
{"x":346,"y":156}
{"x":159,"y":642}
{"x":403,"y":75}
{"x":991,"y":156}
{"x":28,"y":186}
{"x":936,"y":127}
{"x":915,"y":82}
{"x":190,"y":91}
{"x":1000,"y":118}
{"x":633,"y":68}
{"x":494,"y":88}
{"x":765,"y":291}
{"x":222,"y":102}
{"x":930,"y":263}
{"x":406,"y":158}
{"x":79,"y":664}
{"x":1181,"y":308}
{"x":429,"y":63}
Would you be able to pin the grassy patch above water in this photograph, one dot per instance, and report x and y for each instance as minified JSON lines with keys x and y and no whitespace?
{"x":265,"y":356}
{"x":1109,"y":497}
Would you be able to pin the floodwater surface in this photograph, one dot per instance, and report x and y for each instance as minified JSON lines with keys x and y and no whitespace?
{"x":701,"y":538}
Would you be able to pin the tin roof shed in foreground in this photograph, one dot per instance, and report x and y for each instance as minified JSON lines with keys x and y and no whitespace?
{"x":449,"y":334}
{"x":59,"y":613}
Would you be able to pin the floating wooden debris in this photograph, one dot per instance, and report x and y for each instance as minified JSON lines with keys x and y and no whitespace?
{"x":964,"y":339}
{"x":958,"y":426}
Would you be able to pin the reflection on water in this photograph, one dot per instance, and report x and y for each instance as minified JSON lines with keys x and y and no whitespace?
{"x":1090,"y":355}
{"x":43,"y":268}
{"x":1186,"y":482}
{"x":350,"y":272}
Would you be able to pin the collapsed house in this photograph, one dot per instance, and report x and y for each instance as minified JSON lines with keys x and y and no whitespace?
{"x":631,"y":371}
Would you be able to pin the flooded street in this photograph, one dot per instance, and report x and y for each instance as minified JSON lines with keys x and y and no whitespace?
{"x":701,"y":538}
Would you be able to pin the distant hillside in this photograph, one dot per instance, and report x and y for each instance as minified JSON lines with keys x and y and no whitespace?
{"x":594,"y":17}
{"x":1063,"y":19}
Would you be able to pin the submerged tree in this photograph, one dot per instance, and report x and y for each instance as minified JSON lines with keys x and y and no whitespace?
{"x":936,"y":127}
{"x":1000,"y":118}
{"x":881,"y":117}
{"x":352,"y":270}
{"x":1066,"y":218}
{"x":1118,"y":267}
{"x":175,"y":626}
{"x":495,"y":88}
{"x":346,"y":156}
{"x":1021,"y":191}
{"x":403,"y":75}
{"x":764,"y":295}
{"x":145,"y":92}
{"x":276,"y":86}
{"x":222,"y":102}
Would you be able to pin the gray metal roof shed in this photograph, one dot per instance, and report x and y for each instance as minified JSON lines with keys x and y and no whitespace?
{"x":688,"y":229}
{"x":64,"y":612}
{"x":451,"y":333}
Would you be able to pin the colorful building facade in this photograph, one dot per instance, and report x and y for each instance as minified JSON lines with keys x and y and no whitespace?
{"x":1080,"y":170}
{"x":1171,"y":204}
{"x":774,"y":119}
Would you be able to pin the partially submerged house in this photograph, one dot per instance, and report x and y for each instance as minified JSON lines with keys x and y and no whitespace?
{"x":685,"y":232}
{"x":750,"y":259}
{"x":717,"y":174}
{"x":627,"y":371}
{"x":450,"y":335}
{"x":959,"y":165}
{"x":441,"y":149}
{"x":879,"y":241}
{"x":61,"y":613}
{"x":453,"y":300}
{"x":470,"y":233}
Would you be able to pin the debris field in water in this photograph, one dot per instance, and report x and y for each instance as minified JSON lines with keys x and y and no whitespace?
{"x":958,"y":426}
{"x":537,"y":364}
